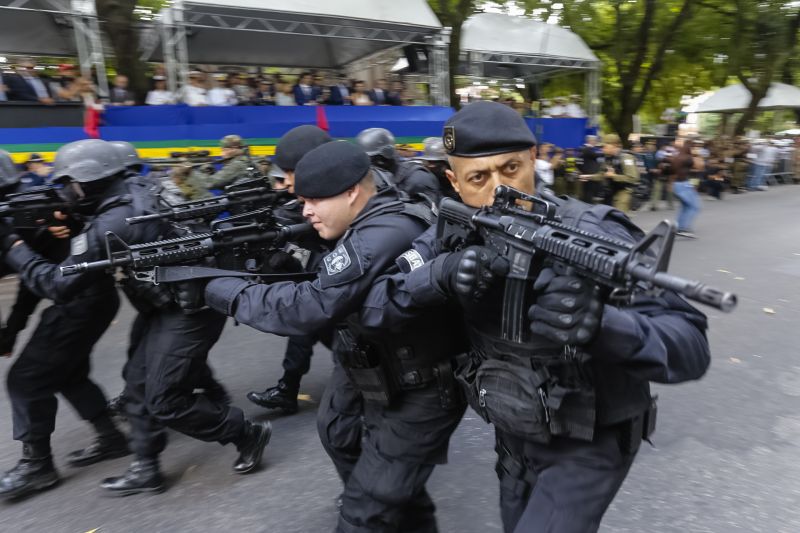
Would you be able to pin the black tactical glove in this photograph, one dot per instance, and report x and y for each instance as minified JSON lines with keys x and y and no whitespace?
{"x":7,"y":237}
{"x":568,"y":309}
{"x":469,"y":273}
{"x":280,"y":262}
{"x":190,"y":295}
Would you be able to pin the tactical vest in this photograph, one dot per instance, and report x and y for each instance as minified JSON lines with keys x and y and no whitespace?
{"x":145,"y":297}
{"x":382,"y":363}
{"x":534,"y":389}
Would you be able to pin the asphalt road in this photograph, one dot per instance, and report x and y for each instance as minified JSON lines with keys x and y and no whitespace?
{"x":726,"y":454}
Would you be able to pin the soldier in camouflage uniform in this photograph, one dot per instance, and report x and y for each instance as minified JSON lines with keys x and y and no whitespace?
{"x":622,"y":173}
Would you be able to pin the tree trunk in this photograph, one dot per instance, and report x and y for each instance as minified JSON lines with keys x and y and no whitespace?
{"x":756,"y":95}
{"x":119,"y":25}
{"x":454,"y":53}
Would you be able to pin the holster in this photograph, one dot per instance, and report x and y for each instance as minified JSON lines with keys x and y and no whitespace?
{"x":632,"y":432}
{"x":364,"y":369}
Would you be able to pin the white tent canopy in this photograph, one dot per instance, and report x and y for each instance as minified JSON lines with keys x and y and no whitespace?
{"x":523,"y":47}
{"x":735,"y":98}
{"x":308,"y":33}
{"x":36,"y":27}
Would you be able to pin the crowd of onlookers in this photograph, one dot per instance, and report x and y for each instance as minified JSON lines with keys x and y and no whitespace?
{"x":25,"y":83}
{"x":674,"y":171}
{"x":308,"y":89}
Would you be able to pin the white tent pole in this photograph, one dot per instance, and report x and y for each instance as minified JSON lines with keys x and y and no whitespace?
{"x":439,"y":68}
{"x":89,"y":43}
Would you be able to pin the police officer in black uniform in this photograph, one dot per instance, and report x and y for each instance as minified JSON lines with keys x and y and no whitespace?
{"x":56,"y":359}
{"x":11,"y":182}
{"x":290,"y":149}
{"x":434,"y":158}
{"x":409,"y":408}
{"x":209,"y":386}
{"x":409,"y":176}
{"x":570,"y":404}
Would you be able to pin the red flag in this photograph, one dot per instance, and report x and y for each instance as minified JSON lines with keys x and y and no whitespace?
{"x":91,"y":122}
{"x":322,"y":118}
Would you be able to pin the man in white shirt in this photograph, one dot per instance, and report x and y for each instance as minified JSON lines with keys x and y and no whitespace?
{"x":574,"y":109}
{"x":194,"y":94}
{"x":160,"y":95}
{"x":221,"y":94}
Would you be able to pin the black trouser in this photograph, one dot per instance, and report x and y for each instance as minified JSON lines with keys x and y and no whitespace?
{"x":21,"y":311}
{"x":562,"y":487}
{"x":168,"y":362}
{"x":385,"y":473}
{"x":56,"y":360}
{"x":297,"y":359}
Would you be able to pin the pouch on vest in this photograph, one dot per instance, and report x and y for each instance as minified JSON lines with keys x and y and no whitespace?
{"x":508,"y":395}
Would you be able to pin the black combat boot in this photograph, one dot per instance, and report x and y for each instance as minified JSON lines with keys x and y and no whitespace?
{"x":34,"y":472}
{"x":109,"y":444}
{"x":143,"y":475}
{"x":251,"y":447}
{"x":116,"y":406}
{"x":282,"y":396}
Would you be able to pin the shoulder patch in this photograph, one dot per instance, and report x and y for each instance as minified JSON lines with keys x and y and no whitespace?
{"x":341,"y":266}
{"x":410,"y":260}
{"x":79,"y":245}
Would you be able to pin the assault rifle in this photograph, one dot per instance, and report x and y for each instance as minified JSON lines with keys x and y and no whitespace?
{"x":33,"y":208}
{"x":145,"y":259}
{"x":525,"y":230}
{"x":241,"y":199}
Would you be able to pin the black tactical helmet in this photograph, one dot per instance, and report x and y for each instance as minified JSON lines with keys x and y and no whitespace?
{"x":377,"y":142}
{"x":86,"y":161}
{"x":434,"y":150}
{"x":128,"y":153}
{"x":8,"y":171}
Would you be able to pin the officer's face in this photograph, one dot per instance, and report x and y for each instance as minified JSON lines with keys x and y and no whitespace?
{"x":289,"y":180}
{"x":331,"y":216}
{"x":475,"y":178}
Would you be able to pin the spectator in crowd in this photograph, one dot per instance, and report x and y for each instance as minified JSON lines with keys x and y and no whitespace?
{"x":681,"y":166}
{"x":159,"y":95}
{"x":714,"y":178}
{"x":397,"y":96}
{"x":285,"y":94}
{"x":589,"y":168}
{"x":27,"y":86}
{"x":340,"y":92}
{"x":243,"y":92}
{"x":560,"y":109}
{"x":120,"y":95}
{"x":3,"y":89}
{"x":544,"y":169}
{"x":305,"y":93}
{"x":265,"y":93}
{"x":765,"y":156}
{"x":36,"y":173}
{"x":221,"y":94}
{"x":379,"y":95}
{"x":574,"y":109}
{"x":195,"y":93}
{"x":321,"y":88}
{"x":360,"y":95}
{"x":62,"y":86}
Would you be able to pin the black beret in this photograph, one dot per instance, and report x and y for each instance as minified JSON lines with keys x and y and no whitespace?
{"x":330,"y":169}
{"x":296,"y":143}
{"x":486,"y":128}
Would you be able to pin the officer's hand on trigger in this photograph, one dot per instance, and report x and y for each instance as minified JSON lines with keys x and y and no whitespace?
{"x":568,"y":309}
{"x":190,"y":294}
{"x":59,"y":232}
{"x":469,"y":273}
